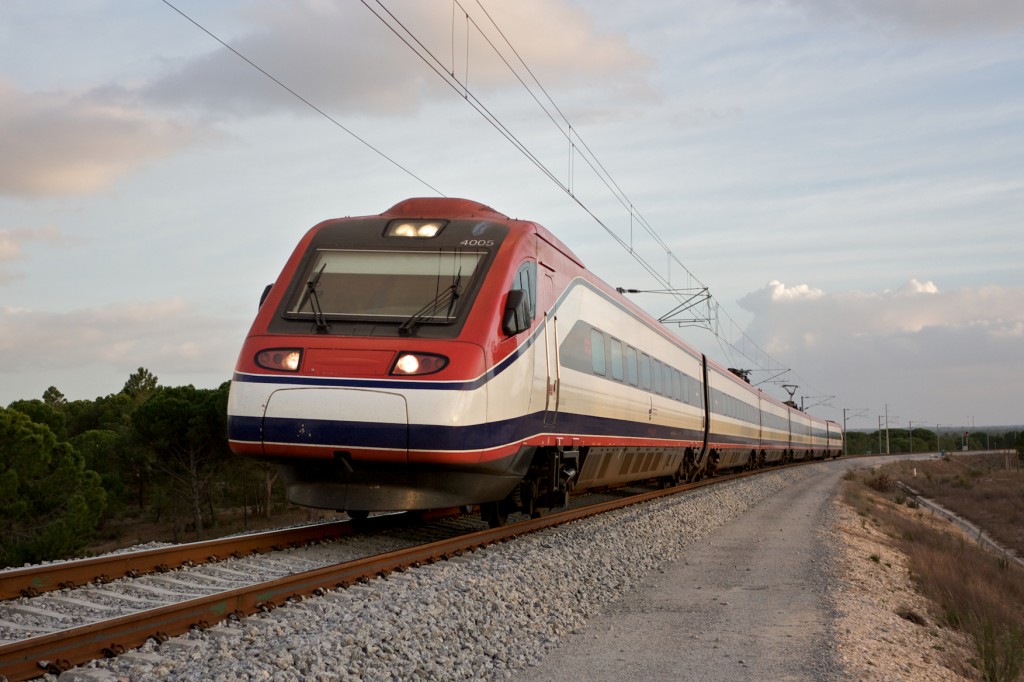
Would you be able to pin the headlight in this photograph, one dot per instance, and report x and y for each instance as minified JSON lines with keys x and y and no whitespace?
{"x":281,"y":359}
{"x":417,"y":229}
{"x":418,"y":364}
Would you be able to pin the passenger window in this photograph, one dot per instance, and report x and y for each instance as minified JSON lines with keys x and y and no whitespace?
{"x":597,"y":352}
{"x":645,"y":371}
{"x":686,"y":389}
{"x":631,"y":369}
{"x":656,"y":370}
{"x":616,"y":348}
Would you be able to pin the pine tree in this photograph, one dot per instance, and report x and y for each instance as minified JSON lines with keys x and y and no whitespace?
{"x":50,"y":504}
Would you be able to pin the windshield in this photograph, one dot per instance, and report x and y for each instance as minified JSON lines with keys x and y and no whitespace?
{"x":386,"y":284}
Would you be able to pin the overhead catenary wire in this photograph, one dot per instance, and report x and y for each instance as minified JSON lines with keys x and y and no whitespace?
{"x":738,"y":341}
{"x":304,"y":100}
{"x":557,"y":117}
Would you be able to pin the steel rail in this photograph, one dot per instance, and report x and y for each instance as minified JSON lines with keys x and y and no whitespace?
{"x":55,"y":652}
{"x":59,"y":651}
{"x":35,"y":580}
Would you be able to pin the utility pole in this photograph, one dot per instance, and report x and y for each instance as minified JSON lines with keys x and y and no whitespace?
{"x":879,"y":434}
{"x":887,"y":428}
{"x":861,"y":411}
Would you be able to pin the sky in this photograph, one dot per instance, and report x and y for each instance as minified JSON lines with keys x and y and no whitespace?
{"x":845,"y":178}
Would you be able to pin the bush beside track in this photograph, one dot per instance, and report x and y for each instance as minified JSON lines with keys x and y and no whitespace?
{"x":976,"y":592}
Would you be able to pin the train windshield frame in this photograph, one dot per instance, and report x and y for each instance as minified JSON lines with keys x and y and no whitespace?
{"x":387,"y":285}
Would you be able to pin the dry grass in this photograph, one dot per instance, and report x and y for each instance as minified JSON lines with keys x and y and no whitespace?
{"x":978,"y":488}
{"x":977,"y":592}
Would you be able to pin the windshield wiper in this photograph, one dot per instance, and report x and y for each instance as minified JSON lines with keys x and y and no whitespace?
{"x":448,"y":296}
{"x":314,"y":302}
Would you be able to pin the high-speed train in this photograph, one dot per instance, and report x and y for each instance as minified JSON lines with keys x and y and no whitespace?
{"x":442,"y":354}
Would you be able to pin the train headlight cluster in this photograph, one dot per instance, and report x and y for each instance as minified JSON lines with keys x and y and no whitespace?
{"x":418,"y":364}
{"x":417,"y":229}
{"x":281,"y":359}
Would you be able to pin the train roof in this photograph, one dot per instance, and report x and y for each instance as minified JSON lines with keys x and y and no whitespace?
{"x":437,"y":207}
{"x":443,"y":207}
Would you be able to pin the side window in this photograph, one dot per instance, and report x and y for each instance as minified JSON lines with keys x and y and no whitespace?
{"x":686,"y":389}
{"x":616,"y":353}
{"x":631,"y":368}
{"x":657,"y":376}
{"x":526,"y":279}
{"x":645,"y":371}
{"x":597,"y":352}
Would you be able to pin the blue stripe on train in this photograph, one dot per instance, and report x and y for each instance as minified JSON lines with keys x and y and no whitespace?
{"x":433,"y":437}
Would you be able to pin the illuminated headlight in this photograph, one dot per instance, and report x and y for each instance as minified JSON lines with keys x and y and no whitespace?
{"x":417,"y":229}
{"x":418,"y":364}
{"x":281,"y":359}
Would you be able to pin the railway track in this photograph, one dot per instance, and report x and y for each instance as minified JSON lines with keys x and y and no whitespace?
{"x":232,"y":590}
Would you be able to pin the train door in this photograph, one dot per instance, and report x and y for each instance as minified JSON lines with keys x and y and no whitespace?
{"x":550,"y":340}
{"x":760,"y":430}
{"x":708,"y":408}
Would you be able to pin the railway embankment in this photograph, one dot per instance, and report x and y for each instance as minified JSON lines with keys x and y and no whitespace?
{"x":492,"y":614}
{"x":782,"y":575}
{"x":970,"y":594}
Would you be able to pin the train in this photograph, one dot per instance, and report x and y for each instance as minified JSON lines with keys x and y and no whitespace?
{"x":443,"y":355}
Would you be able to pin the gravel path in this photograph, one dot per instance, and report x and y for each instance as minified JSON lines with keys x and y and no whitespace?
{"x":756,"y":579}
{"x":749,"y":602}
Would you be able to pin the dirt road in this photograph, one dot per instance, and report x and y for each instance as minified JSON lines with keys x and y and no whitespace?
{"x":748,"y":603}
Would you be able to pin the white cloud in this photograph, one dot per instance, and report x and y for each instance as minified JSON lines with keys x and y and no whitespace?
{"x":337,"y":55}
{"x":777,"y":291}
{"x":915,"y":287}
{"x":914,"y":341}
{"x":13,"y":241}
{"x":343,"y":59}
{"x":167,"y":336}
{"x":75,"y":143}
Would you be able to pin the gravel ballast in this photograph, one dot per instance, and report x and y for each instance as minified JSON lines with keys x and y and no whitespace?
{"x":485,"y":615}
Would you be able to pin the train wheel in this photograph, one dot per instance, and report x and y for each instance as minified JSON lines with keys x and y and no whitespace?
{"x":357,"y":514}
{"x":495,"y":513}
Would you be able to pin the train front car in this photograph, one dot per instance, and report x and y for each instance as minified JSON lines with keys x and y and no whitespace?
{"x":365,"y":374}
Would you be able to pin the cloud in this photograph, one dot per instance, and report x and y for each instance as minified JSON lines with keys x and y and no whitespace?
{"x":337,"y":55}
{"x":165,"y":335}
{"x":55,"y":143}
{"x":13,"y":241}
{"x":911,"y":308}
{"x":914,"y":341}
{"x":933,"y":15}
{"x":777,"y":291}
{"x":343,"y":59}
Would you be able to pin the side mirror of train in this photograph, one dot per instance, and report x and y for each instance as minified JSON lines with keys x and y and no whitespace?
{"x":516,"y":318}
{"x":266,"y":291}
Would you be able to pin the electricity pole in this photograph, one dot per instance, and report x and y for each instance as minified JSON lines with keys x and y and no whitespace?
{"x":887,"y":428}
{"x":879,"y":434}
{"x":860,"y":412}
